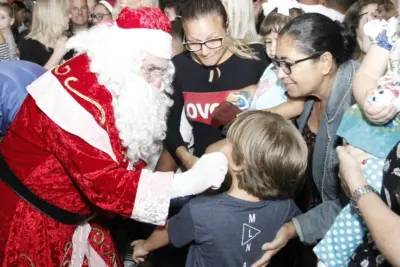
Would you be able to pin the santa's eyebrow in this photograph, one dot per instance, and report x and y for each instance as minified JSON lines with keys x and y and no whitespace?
{"x":152,"y":66}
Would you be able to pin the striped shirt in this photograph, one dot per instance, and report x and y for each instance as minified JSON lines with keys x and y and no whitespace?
{"x":4,"y":52}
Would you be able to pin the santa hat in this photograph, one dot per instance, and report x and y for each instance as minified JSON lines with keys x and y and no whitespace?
{"x":109,"y":4}
{"x":149,"y":26}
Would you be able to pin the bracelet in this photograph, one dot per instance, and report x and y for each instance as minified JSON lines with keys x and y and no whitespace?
{"x":358,"y":193}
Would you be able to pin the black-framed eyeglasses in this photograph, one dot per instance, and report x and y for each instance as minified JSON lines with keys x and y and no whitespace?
{"x":98,"y":16}
{"x":197,"y":46}
{"x":287,"y":67}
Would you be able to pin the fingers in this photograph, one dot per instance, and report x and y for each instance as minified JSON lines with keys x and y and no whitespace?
{"x":134,"y":243}
{"x":381,"y":114}
{"x":265,"y":259}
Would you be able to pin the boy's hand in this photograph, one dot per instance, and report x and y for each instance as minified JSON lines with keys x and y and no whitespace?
{"x":139,"y":251}
{"x":233,"y":98}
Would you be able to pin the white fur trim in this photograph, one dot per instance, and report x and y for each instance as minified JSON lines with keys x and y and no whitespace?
{"x":107,"y":5}
{"x":155,"y":42}
{"x":52,"y":98}
{"x":153,"y":197}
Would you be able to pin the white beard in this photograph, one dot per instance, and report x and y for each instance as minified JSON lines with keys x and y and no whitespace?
{"x":140,"y":113}
{"x":140,"y":109}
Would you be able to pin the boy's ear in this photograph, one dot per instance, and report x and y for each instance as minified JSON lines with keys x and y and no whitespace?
{"x":237,"y":168}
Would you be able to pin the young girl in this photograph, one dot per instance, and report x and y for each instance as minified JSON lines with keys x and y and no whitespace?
{"x":270,"y":94}
{"x":6,"y":21}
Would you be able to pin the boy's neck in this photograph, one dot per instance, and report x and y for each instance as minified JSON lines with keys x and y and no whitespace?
{"x":236,"y":192}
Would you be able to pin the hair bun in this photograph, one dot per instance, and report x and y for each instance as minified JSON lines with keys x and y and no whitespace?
{"x":349,"y":38}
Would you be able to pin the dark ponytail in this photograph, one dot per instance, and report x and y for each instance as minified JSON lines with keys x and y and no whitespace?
{"x":316,"y":34}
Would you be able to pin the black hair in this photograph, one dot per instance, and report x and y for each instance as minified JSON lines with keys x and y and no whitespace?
{"x":17,"y":6}
{"x":316,"y":34}
{"x":177,"y":29}
{"x":353,"y":17}
{"x":195,"y":9}
{"x":168,"y":3}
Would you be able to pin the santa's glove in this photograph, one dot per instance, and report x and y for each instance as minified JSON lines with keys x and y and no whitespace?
{"x":208,"y":171}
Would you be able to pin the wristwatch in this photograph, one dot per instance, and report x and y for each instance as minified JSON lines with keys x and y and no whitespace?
{"x":358,"y":193}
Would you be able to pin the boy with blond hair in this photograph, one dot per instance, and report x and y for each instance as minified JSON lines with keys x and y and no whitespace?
{"x":267,"y":158}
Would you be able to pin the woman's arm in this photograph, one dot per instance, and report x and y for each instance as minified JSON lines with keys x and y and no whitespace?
{"x":290,"y":109}
{"x":174,"y":141}
{"x":58,"y":54}
{"x":371,"y":69}
{"x":382,"y":223}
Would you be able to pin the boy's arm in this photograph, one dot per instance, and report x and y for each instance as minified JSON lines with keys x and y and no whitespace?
{"x":158,"y":239}
{"x":289,"y":110}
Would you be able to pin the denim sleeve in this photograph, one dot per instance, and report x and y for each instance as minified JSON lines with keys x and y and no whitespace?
{"x":313,"y":225}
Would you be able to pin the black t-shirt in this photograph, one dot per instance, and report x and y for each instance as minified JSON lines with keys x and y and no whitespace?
{"x":34,"y":51}
{"x":200,"y":89}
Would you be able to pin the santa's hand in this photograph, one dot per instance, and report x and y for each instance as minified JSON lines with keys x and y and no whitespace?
{"x":208,"y":172}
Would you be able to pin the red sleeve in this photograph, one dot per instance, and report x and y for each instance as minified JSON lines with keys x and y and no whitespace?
{"x":102,"y":180}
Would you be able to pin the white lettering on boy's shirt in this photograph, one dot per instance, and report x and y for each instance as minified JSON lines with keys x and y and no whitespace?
{"x":248,"y":233}
{"x":252,"y":218}
{"x":248,"y":247}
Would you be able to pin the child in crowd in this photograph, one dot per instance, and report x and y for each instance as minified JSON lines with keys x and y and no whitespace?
{"x":6,"y":21}
{"x":376,"y":141}
{"x":270,"y":94}
{"x":266,"y":165}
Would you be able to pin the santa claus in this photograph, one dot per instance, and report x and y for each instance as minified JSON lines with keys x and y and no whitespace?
{"x":79,"y":143}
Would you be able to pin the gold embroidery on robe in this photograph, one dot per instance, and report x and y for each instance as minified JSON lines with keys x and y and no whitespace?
{"x":26,"y":257}
{"x":58,"y":70}
{"x":65,"y":262}
{"x":103,"y":246}
{"x":91,"y":101}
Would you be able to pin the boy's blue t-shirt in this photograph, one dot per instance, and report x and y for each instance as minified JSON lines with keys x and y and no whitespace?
{"x":226,"y":231}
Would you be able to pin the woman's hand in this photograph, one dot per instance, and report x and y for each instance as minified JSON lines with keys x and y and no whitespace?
{"x":139,"y":251}
{"x":284,"y":235}
{"x":351,"y":160}
{"x":378,"y":114}
{"x":60,"y":48}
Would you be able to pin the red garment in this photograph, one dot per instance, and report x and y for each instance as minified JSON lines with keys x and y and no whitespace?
{"x":59,"y":167}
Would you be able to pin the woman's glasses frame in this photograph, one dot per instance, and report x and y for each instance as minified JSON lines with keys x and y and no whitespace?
{"x":287,"y":66}
{"x":212,"y":43}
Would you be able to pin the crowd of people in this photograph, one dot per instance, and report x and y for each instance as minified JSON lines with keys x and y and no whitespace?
{"x":200,"y":133}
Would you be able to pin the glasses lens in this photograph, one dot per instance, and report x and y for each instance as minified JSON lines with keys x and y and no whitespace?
{"x":214,"y":43}
{"x":193,"y":46}
{"x":286,"y":67}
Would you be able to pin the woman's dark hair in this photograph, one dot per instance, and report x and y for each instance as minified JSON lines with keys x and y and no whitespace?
{"x":353,"y":15}
{"x":274,"y":22}
{"x":195,"y":9}
{"x":177,"y":28}
{"x":316,"y":34}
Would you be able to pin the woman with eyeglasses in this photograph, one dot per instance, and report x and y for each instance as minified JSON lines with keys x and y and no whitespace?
{"x":213,"y":65}
{"x":314,"y":60}
{"x":102,"y":12}
{"x":361,"y":12}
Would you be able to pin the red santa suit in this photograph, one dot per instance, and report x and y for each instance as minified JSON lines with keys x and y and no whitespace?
{"x":65,"y":147}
